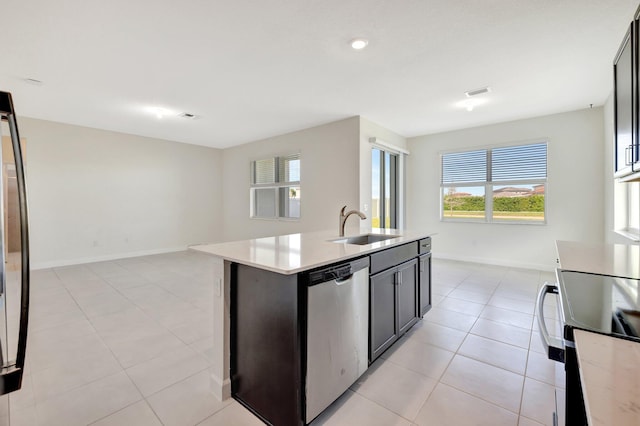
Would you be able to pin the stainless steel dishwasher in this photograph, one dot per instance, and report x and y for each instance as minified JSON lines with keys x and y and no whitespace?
{"x":337,"y":332}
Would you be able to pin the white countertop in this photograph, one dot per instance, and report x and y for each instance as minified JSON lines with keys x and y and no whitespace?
{"x":290,"y":254}
{"x":610,"y":378}
{"x":617,"y":260}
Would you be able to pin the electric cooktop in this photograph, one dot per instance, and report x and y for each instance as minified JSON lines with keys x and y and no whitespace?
{"x":604,"y":304}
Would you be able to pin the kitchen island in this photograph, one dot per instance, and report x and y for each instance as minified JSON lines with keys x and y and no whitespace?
{"x":270,"y":276}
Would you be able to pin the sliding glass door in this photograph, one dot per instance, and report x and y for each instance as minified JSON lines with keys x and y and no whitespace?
{"x":384,"y":189}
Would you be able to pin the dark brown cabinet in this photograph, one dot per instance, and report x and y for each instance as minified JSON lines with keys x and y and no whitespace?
{"x":394,"y":309}
{"x":424,"y":278}
{"x":394,"y":294}
{"x":266,"y":343}
{"x":382,"y":296}
{"x":407,"y":286}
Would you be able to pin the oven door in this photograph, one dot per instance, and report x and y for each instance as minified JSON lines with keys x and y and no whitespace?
{"x":563,"y":350}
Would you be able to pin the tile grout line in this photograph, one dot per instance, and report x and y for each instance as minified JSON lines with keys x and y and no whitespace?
{"x":465,"y":338}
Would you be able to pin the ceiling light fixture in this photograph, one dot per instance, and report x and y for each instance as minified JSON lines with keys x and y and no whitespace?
{"x":476,"y":92}
{"x":189,"y":116}
{"x":359,"y":43}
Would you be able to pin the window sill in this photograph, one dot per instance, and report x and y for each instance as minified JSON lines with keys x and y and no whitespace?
{"x":276,"y":219}
{"x":495,"y":222}
{"x":632,"y":235}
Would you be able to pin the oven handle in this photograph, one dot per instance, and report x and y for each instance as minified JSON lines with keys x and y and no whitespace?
{"x":553,"y":346}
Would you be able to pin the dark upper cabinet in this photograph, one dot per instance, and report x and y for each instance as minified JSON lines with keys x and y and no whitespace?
{"x":625,"y":72}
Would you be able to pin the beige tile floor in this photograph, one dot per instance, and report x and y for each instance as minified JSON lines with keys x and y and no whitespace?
{"x":128,"y":342}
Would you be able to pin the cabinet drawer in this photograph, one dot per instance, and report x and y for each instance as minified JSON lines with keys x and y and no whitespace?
{"x":392,"y":257}
{"x":424,"y":245}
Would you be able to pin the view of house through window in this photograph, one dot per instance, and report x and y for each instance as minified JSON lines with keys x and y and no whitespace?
{"x":384,"y":189}
{"x":514,"y":177}
{"x":275,"y":187}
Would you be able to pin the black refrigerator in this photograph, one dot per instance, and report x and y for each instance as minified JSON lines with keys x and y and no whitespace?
{"x":14,"y":258}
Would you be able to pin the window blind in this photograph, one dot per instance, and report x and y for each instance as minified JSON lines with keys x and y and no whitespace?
{"x":519,"y":162}
{"x":468,"y":166}
{"x":264,"y":171}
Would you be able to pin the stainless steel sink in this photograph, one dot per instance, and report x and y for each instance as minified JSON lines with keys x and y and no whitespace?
{"x":365,"y":239}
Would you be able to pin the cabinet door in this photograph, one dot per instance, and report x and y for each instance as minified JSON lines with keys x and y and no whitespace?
{"x":407,"y":285}
{"x":424,"y":266}
{"x":626,"y":152}
{"x":382,"y":313}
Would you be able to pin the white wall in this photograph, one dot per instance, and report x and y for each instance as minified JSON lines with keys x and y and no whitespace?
{"x":575,"y":190}
{"x":368,"y":129}
{"x":329,"y":179}
{"x":96,"y":194}
{"x":99,"y":195}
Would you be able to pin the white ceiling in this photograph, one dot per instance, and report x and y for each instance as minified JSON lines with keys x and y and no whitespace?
{"x":258,"y":68}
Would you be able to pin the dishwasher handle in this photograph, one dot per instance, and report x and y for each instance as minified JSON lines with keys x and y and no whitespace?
{"x":554,"y":347}
{"x":339,"y":273}
{"x":343,"y":280}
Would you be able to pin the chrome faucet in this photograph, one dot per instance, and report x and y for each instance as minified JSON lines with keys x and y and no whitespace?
{"x":344,"y":217}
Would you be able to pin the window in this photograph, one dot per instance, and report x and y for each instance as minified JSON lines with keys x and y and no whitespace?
{"x":275,"y":187}
{"x":503,"y":184}
{"x":384,"y":189}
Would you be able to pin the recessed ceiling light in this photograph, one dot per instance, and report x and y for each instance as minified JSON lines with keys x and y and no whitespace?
{"x":359,"y":43}
{"x":476,"y":92}
{"x":161,"y":112}
{"x":189,"y":116}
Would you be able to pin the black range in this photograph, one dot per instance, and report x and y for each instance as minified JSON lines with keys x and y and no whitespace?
{"x":598,"y":303}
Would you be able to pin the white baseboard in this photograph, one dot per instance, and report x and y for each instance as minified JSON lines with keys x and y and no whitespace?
{"x":497,"y":262}
{"x":103,"y":258}
{"x":221,"y":389}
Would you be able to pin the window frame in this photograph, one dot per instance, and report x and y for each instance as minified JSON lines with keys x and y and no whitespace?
{"x":279,"y":184}
{"x":490,"y":185}
{"x":394,"y":168}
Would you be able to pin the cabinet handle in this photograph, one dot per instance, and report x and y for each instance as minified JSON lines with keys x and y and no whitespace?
{"x":422,"y":266}
{"x":628,"y":155}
